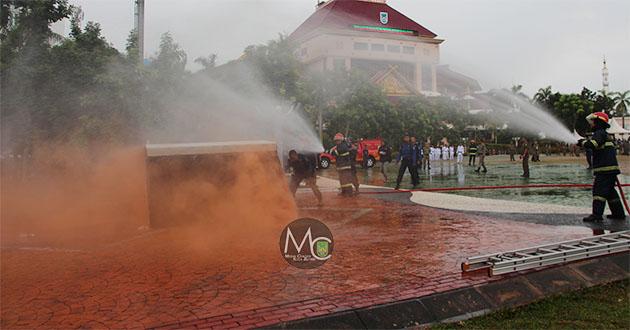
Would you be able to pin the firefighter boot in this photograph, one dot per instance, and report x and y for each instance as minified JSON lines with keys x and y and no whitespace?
{"x":593,"y":218}
{"x":599,"y":203}
{"x":616,"y":209}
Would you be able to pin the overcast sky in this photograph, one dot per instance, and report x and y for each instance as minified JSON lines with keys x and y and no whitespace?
{"x":499,"y":42}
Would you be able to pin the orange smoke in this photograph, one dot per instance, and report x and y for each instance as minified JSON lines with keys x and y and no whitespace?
{"x":67,"y":197}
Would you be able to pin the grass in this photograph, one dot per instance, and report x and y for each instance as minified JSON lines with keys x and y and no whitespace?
{"x":600,"y":307}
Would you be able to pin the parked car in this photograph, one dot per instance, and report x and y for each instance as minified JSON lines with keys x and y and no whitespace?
{"x":326,"y":158}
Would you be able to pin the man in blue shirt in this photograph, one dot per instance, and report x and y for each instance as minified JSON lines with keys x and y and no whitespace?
{"x":407,"y":159}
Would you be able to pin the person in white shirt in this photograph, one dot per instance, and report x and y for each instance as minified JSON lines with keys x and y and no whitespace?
{"x":460,"y":153}
{"x":451,"y":152}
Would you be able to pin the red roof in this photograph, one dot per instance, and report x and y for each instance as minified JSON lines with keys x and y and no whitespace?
{"x":343,"y":14}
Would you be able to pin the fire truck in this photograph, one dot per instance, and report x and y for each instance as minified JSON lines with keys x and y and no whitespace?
{"x":326,"y":158}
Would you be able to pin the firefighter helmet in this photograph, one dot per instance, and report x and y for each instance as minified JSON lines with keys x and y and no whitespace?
{"x":597,"y":115}
{"x":338,"y":137}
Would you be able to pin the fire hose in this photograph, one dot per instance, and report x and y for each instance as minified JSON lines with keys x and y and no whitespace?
{"x":552,"y":185}
{"x":623,"y":196}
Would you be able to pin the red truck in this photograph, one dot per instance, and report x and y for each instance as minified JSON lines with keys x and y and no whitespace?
{"x":372,"y":145}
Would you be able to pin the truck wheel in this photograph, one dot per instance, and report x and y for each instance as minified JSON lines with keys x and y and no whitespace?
{"x":371,"y":161}
{"x":324,"y":163}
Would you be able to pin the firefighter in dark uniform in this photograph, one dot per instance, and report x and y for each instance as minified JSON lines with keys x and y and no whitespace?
{"x":385,"y":156}
{"x":353,"y":155}
{"x":605,"y":169}
{"x":344,"y":159}
{"x":472,"y":153}
{"x":303,"y":170}
{"x":407,"y":159}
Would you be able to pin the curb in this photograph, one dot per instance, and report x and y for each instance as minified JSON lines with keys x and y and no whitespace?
{"x":465,"y":303}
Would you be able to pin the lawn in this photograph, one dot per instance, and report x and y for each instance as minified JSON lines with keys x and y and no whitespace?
{"x":601,"y":307}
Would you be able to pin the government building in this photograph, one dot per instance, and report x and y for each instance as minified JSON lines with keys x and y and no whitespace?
{"x":400,"y":55}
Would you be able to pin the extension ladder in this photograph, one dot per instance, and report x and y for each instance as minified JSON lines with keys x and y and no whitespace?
{"x":544,"y":255}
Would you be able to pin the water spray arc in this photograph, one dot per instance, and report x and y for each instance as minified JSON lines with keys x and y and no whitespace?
{"x":520,"y":114}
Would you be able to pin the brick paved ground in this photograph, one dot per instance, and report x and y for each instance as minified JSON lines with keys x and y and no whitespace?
{"x":384,"y":251}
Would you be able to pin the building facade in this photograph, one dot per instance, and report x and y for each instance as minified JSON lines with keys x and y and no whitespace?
{"x":397,"y":53}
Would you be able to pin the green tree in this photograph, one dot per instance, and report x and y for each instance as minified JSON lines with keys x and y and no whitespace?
{"x":543,"y":95}
{"x":622,"y":101}
{"x":603,"y":102}
{"x":207,"y":63}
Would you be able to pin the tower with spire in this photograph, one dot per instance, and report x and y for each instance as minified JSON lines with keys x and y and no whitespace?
{"x":605,"y":76}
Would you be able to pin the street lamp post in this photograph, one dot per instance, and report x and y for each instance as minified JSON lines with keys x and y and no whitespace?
{"x":139,"y":25}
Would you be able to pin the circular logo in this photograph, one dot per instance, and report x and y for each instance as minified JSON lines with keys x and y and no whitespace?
{"x":306,"y":243}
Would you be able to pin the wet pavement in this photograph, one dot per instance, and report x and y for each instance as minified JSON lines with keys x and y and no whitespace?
{"x":386,"y":248}
{"x":161,"y":276}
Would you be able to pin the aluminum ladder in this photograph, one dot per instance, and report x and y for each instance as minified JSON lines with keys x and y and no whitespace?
{"x":551,"y":254}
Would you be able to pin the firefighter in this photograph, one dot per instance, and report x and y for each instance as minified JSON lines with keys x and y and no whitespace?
{"x":407,"y":160}
{"x":385,"y":156}
{"x":525,"y":157}
{"x":416,"y":164}
{"x":353,"y":164}
{"x":303,"y":170}
{"x":343,"y":155}
{"x":365,"y":154}
{"x":605,"y":169}
{"x":472,"y":153}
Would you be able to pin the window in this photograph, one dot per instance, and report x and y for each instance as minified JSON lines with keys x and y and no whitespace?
{"x":360,"y":46}
{"x":393,"y":49}
{"x":378,"y":47}
{"x":426,"y":52}
{"x":409,"y":50}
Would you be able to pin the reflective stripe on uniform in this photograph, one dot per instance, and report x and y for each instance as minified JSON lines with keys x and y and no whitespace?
{"x":344,"y":154}
{"x":599,"y":198}
{"x":606,"y":168}
{"x":344,"y":168}
{"x":605,"y":145}
{"x":616,"y":200}
{"x":346,"y":185}
{"x":595,"y":144}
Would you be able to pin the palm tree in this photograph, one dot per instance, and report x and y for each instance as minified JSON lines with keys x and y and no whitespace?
{"x":518,"y":91}
{"x":543,"y":95}
{"x":622,"y":102}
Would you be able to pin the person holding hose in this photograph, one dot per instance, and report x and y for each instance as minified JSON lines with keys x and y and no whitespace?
{"x":605,"y":169}
{"x":303,"y":170}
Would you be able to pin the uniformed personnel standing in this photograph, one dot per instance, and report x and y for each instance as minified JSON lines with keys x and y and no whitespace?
{"x":407,"y":160}
{"x":525,"y":157}
{"x":482,"y":157}
{"x":472,"y":153}
{"x":385,"y":156}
